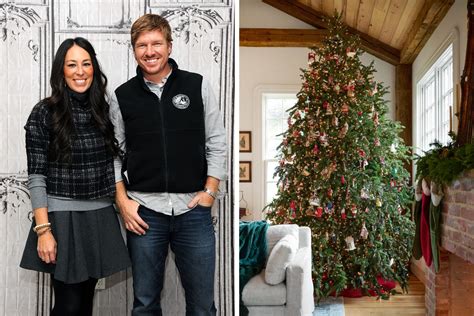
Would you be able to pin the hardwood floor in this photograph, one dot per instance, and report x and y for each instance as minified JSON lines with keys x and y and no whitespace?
{"x":410,"y":304}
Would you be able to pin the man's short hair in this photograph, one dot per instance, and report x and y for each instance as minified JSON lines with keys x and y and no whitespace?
{"x":150,"y":22}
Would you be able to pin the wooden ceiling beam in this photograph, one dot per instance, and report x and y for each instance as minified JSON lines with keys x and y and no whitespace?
{"x":262,"y":37}
{"x":315,"y":18}
{"x":431,"y":14}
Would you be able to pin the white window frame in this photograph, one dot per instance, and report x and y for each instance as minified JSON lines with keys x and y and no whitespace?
{"x":451,"y":40}
{"x":258,"y":179}
{"x":266,"y":160}
{"x":434,"y":77}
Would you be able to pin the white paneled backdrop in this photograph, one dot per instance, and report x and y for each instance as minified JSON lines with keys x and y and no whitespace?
{"x":30,"y":32}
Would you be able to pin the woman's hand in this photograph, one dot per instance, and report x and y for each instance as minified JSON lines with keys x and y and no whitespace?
{"x":47,"y":247}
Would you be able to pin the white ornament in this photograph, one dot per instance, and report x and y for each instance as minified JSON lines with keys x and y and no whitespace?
{"x":364,"y":233}
{"x":364,"y":194}
{"x":350,"y":243}
{"x":315,"y":201}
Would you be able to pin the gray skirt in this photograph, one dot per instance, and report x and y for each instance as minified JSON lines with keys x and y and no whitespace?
{"x":89,"y":245}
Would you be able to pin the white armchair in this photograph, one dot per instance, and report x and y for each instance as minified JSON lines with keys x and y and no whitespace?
{"x":294,"y":295}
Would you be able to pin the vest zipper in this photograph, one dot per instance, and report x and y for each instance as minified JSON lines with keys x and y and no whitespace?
{"x":163,"y":138}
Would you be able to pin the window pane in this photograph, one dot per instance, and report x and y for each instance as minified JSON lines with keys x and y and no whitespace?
{"x":275,"y":114}
{"x":435,"y":97}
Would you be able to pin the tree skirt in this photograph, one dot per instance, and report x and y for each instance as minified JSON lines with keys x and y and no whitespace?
{"x":387,"y":286}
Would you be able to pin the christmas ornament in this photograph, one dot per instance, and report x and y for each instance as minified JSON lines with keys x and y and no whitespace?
{"x":319,"y":212}
{"x":364,"y":194}
{"x":330,"y":191}
{"x":329,"y":109}
{"x":315,"y":201}
{"x":354,"y":210}
{"x":350,"y":52}
{"x":329,"y":208}
{"x":364,"y":233}
{"x":323,"y":139}
{"x":350,"y":243}
{"x":343,"y":214}
{"x":345,"y":108}
{"x":292,"y":205}
{"x":343,"y":130}
{"x":315,"y":149}
{"x":373,"y":90}
{"x":376,"y":118}
{"x":378,"y":202}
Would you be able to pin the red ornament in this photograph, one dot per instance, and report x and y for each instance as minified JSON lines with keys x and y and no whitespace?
{"x":319,"y":212}
{"x":315,"y":149}
{"x":343,"y":180}
{"x":293,"y":205}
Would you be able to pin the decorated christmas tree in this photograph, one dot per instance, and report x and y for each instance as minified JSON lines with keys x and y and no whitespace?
{"x":341,"y":172}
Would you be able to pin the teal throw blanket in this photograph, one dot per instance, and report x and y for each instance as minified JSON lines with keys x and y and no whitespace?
{"x":252,"y":253}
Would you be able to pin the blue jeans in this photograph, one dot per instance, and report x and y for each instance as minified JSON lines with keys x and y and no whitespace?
{"x":191,"y":238}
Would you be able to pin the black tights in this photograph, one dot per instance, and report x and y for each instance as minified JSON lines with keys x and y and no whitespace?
{"x":73,"y":299}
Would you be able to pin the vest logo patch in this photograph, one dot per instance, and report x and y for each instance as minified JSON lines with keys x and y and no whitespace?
{"x":181,"y":101}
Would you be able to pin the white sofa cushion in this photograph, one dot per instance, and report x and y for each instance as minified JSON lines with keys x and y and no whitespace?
{"x":258,"y":292}
{"x":277,"y":232}
{"x":280,"y":257}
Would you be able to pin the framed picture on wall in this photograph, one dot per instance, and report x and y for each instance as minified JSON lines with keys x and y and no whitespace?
{"x":245,"y":142}
{"x":245,"y":171}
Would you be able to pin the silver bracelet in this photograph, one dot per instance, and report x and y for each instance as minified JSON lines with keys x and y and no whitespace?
{"x":211,"y":193}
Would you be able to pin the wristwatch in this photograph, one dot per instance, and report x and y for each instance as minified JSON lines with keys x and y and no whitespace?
{"x":211,"y":193}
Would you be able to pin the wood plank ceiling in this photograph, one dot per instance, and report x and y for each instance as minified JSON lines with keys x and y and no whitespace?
{"x":393,"y":30}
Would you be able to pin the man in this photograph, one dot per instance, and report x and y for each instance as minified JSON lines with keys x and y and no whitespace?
{"x":168,"y":123}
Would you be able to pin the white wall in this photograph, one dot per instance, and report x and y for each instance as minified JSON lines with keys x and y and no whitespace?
{"x":454,"y":25}
{"x":274,"y":68}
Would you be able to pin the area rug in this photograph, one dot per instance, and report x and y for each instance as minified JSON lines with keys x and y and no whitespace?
{"x":331,"y":306}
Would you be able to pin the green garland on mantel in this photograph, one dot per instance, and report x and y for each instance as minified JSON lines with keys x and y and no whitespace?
{"x":443,"y":164}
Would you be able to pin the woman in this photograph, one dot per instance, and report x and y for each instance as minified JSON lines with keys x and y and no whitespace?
{"x":70,"y":148}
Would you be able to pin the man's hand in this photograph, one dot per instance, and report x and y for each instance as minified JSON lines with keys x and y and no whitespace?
{"x":47,"y":247}
{"x":129,"y":211}
{"x":201,"y":198}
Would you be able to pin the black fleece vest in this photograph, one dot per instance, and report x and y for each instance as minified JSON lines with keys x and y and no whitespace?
{"x":165,"y":138}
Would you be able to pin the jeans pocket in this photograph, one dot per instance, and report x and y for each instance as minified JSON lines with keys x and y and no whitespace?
{"x":202,"y":208}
